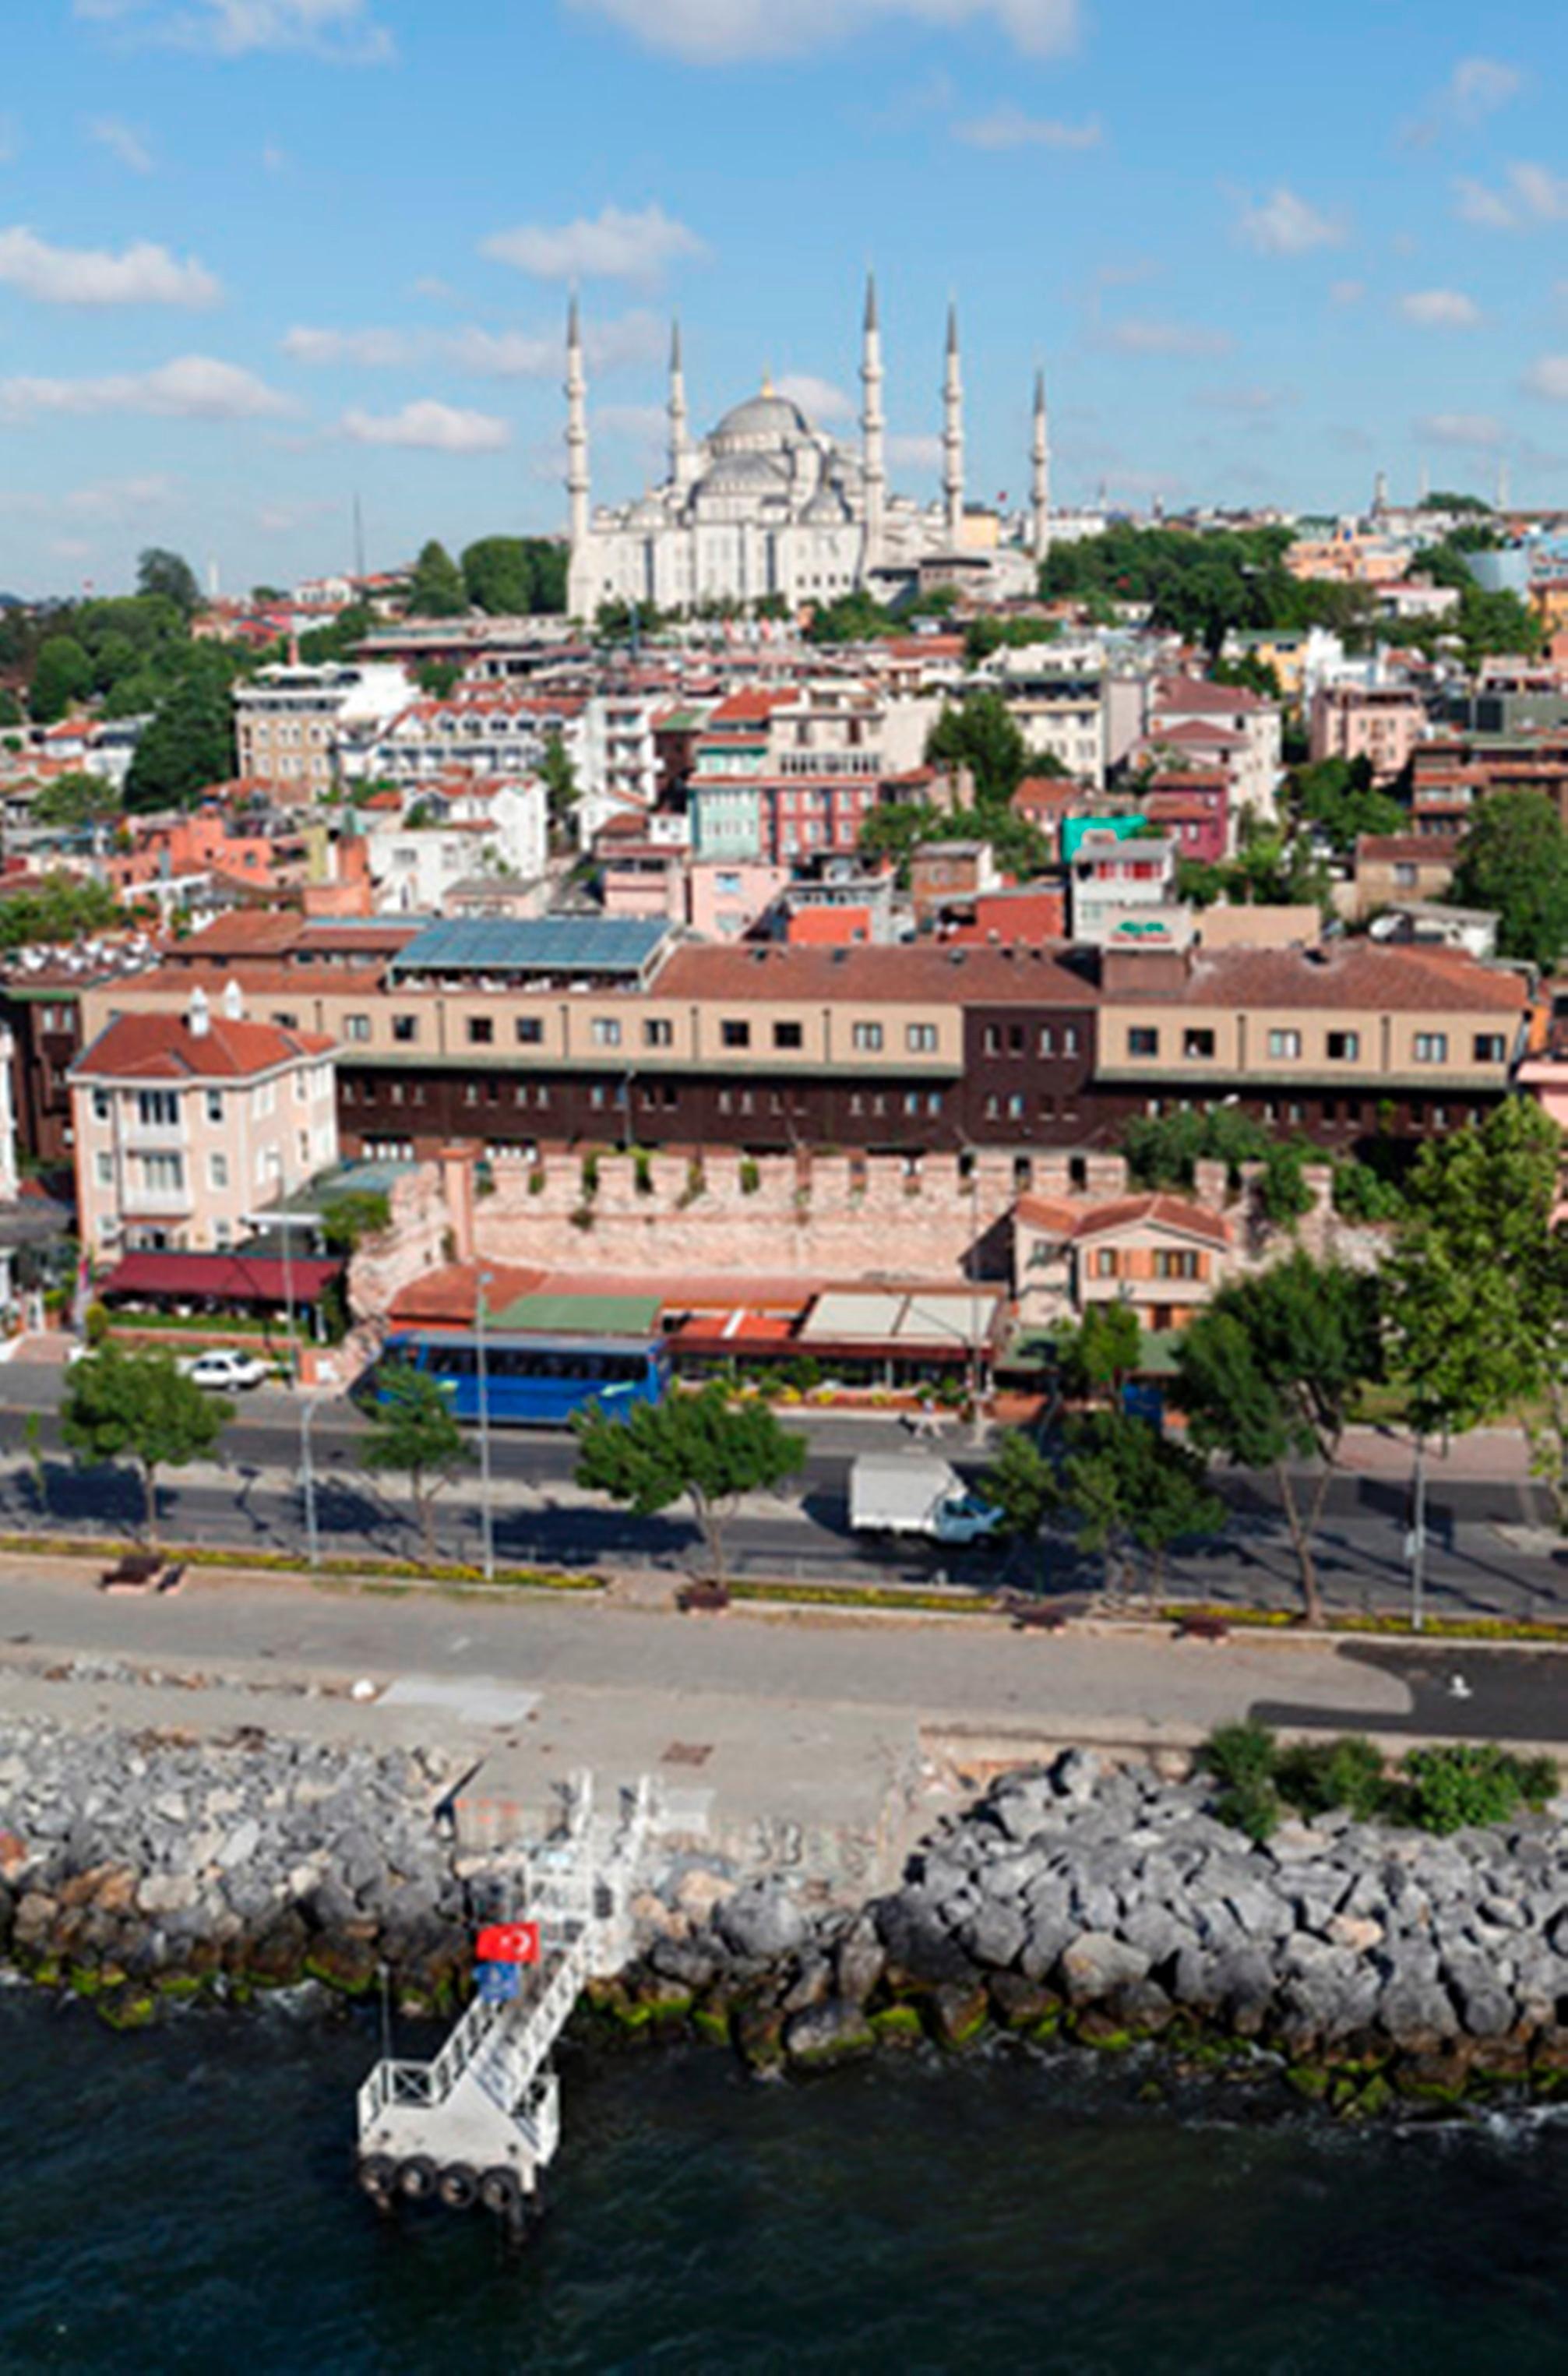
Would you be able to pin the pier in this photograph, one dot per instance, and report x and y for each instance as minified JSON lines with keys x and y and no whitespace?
{"x":479,"y":2122}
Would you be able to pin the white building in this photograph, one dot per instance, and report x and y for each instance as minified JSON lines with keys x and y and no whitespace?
{"x":768,"y":505}
{"x":476,"y":730}
{"x":288,"y":720}
{"x":474,"y":829}
{"x":1056,"y":693}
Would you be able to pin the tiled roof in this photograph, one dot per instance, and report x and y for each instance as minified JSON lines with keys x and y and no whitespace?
{"x":1384,"y":849}
{"x":909,"y":975}
{"x":1189,"y":693}
{"x":1057,"y":1217}
{"x":164,"y":1048}
{"x":1340,"y":976}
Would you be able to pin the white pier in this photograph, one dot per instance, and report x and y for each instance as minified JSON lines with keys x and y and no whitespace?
{"x":480,"y":2124}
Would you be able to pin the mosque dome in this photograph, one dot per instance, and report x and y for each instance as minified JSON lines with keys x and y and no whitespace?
{"x":742,"y":473}
{"x":762,"y":422}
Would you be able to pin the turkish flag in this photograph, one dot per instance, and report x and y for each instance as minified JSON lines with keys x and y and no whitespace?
{"x":508,"y":1942}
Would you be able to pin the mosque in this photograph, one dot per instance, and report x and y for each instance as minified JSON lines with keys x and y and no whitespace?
{"x":768,"y":505}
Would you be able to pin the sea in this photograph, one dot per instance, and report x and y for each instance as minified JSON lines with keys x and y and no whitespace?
{"x":182,"y":2198}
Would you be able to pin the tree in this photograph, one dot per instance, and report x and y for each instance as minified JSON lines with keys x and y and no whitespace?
{"x":57,"y":908}
{"x":438,"y":678}
{"x":187,"y":745}
{"x":1266,"y":1376}
{"x":894,"y":829}
{"x":1103,"y":1351}
{"x":1132,"y":1486}
{"x":63,"y":674}
{"x":510,"y":577}
{"x":412,"y":1433}
{"x":165,"y":573}
{"x":1513,"y":860}
{"x":137,"y":1404}
{"x":1021,"y":1483}
{"x":1343,"y":803}
{"x":437,"y":589}
{"x":692,"y":1447}
{"x":855,"y":618}
{"x":74,"y":800}
{"x":347,"y":1220}
{"x":983,"y":736}
{"x":558,"y":776}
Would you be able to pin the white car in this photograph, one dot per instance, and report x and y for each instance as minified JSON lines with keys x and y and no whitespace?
{"x":230,"y":1371}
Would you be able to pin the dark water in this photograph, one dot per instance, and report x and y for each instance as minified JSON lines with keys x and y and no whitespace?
{"x":182,"y":2200}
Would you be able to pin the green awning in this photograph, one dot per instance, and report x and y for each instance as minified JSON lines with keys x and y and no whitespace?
{"x":582,"y":1315}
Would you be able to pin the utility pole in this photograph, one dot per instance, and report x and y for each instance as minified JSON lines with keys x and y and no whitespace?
{"x":1416,"y":1541}
{"x":487,"y":1531}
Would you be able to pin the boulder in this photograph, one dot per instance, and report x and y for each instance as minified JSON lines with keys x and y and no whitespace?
{"x":858,"y":1962}
{"x":1095,"y":1963}
{"x":920,"y":1954}
{"x":761,"y":1923}
{"x":996,"y":1935}
{"x":826,"y":2033}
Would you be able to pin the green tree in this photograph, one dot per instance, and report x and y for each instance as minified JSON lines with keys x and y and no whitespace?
{"x":511,"y":577}
{"x":10,"y":707}
{"x":692,"y":1448}
{"x":138,"y":1405}
{"x":983,"y":736}
{"x":559,"y":778}
{"x":438,"y":678}
{"x":1103,"y":1351}
{"x":1343,"y":803}
{"x":1136,"y":1489}
{"x":346,"y":1221}
{"x":1021,"y":1483}
{"x":1267,"y":1375}
{"x":1513,"y":860}
{"x":894,"y":829}
{"x":161,"y":571}
{"x":437,"y":589}
{"x":412,"y":1433}
{"x":63,"y":674}
{"x":57,"y":908}
{"x":855,"y":618}
{"x":74,"y":800}
{"x":187,"y":745}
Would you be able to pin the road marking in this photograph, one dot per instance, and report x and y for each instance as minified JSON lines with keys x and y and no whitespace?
{"x":477,"y":1699}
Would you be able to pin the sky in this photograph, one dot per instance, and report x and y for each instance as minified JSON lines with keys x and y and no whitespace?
{"x":258,"y":257}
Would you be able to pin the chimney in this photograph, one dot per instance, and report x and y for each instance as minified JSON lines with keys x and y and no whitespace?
{"x":198,"y":1020}
{"x":233,"y":1001}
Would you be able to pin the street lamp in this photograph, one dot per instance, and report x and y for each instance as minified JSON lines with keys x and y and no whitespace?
{"x":487,"y":1530}
{"x":285,"y":1222}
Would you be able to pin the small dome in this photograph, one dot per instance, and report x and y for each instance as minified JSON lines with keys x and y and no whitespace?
{"x":743,"y":474}
{"x":647,"y":511}
{"x":826,"y":509}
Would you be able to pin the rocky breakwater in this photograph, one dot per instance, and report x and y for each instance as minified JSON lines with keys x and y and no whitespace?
{"x":1112,"y":1907}
{"x":135,"y":1864}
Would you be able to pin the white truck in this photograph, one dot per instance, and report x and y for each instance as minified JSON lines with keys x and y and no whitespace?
{"x":910,"y":1493}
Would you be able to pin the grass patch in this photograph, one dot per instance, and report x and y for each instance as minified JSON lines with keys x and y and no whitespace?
{"x":834,"y":1596}
{"x":1436,"y":1628}
{"x":1442,"y":1790}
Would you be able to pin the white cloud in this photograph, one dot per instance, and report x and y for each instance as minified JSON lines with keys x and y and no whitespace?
{"x":114,"y":499}
{"x":1346,"y":292}
{"x":1476,"y":88}
{"x":819,"y":400}
{"x":1441,"y":309}
{"x":123,"y":142}
{"x":726,"y":32}
{"x":1548,"y":377}
{"x":1530,"y":194}
{"x":1008,"y":126}
{"x":432,"y":427}
{"x":631,"y":338}
{"x":1284,"y":224}
{"x":1142,"y":335}
{"x":917,"y":450}
{"x":193,"y":387}
{"x":1475,"y":429}
{"x":140,"y":275}
{"x":345,"y":32}
{"x":615,"y":246}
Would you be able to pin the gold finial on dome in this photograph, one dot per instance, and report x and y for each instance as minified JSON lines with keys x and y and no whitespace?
{"x":767,"y":379}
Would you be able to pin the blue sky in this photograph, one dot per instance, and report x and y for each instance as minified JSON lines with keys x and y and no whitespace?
{"x":259,"y":256}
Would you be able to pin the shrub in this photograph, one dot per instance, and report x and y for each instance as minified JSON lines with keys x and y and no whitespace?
{"x":1314,"y":1776}
{"x":1362,"y":1195}
{"x":642,"y":1171}
{"x":1282,"y":1190}
{"x":750,"y":1176}
{"x":590,"y":1177}
{"x":536,"y":1180}
{"x":1251,"y":1807}
{"x":96,"y":1323}
{"x":1469,"y":1783}
{"x":1241,"y":1756}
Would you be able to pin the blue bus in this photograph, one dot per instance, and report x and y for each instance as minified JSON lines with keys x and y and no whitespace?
{"x":534,"y":1381}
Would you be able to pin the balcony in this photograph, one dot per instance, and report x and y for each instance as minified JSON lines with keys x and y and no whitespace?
{"x":157,"y":1204}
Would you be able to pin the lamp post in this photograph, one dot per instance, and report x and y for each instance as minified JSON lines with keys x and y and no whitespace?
{"x":285,"y":1222}
{"x":487,"y":1530}
{"x":307,"y":1482}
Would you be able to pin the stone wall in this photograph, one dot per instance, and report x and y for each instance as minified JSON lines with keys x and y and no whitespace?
{"x":414,"y":1241}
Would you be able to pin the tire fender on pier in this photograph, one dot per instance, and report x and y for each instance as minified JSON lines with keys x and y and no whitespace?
{"x":458,"y":2187}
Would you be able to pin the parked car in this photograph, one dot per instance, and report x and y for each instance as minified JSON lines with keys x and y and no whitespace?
{"x":231,"y":1372}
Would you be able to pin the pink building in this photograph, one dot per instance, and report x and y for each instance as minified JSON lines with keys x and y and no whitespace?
{"x":185,"y":1123}
{"x":1379,"y":723}
{"x":1193,"y":805}
{"x":725,"y":896}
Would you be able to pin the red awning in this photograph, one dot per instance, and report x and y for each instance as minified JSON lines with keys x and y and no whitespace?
{"x":222,"y":1278}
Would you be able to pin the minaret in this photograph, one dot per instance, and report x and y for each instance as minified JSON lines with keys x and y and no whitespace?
{"x":678,"y":441}
{"x":1040,"y":484}
{"x":577,"y":429}
{"x":874,"y":428}
{"x":953,"y":435}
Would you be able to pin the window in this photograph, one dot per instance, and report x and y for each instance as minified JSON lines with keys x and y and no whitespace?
{"x":101,"y":1105}
{"x":158,"y":1109}
{"x":1491,"y":1047}
{"x":287,"y":1022}
{"x":356,"y":1026}
{"x":215,"y":1105}
{"x":222,"y":1233}
{"x":660,"y":1033}
{"x":1197,"y":1043}
{"x":482,"y":1031}
{"x":1178,"y":1264}
{"x":787,"y":1035}
{"x":1284,"y":1044}
{"x":528,"y":1030}
{"x":920,"y":1039}
{"x":735,"y":1034}
{"x":596,"y":1096}
{"x":1047,"y":1041}
{"x":604,"y":1030}
{"x":1344,"y":1046}
{"x":1070,"y":1040}
{"x":218,"y":1171}
{"x":1143,"y":1041}
{"x":405,"y":1029}
{"x":1105,"y":1262}
{"x":162,"y":1175}
{"x":867,"y":1037}
{"x":1014,"y":1108}
{"x":993,"y":1040}
{"x":1405,"y":875}
{"x":1432,"y":1046}
{"x":103,"y":1170}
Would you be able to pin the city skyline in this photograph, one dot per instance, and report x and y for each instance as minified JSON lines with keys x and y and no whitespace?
{"x":1251,"y":274}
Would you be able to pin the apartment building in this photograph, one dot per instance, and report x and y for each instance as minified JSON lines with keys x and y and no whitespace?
{"x":1116,"y":879}
{"x":1342,"y":1041}
{"x":186,"y":1120}
{"x":1057,"y":695}
{"x":1195,"y":723}
{"x":288,"y":720}
{"x":1380,"y":723}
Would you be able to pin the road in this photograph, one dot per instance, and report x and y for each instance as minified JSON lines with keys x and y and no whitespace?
{"x":1490,"y":1550}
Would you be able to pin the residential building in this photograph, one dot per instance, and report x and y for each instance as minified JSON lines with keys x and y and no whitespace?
{"x":186,"y":1122}
{"x":1116,"y":879}
{"x":1056,"y":693}
{"x":1391,"y":868}
{"x":1190,"y":720}
{"x":1379,"y":723}
{"x":1163,"y":1256}
{"x":288,"y":718}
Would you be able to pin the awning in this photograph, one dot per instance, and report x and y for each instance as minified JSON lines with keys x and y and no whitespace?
{"x":222,"y":1278}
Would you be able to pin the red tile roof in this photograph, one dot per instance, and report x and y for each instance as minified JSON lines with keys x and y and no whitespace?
{"x":164,"y":1048}
{"x":1338,"y":975}
{"x":1057,"y":1217}
{"x":909,"y":975}
{"x":1195,"y":693}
